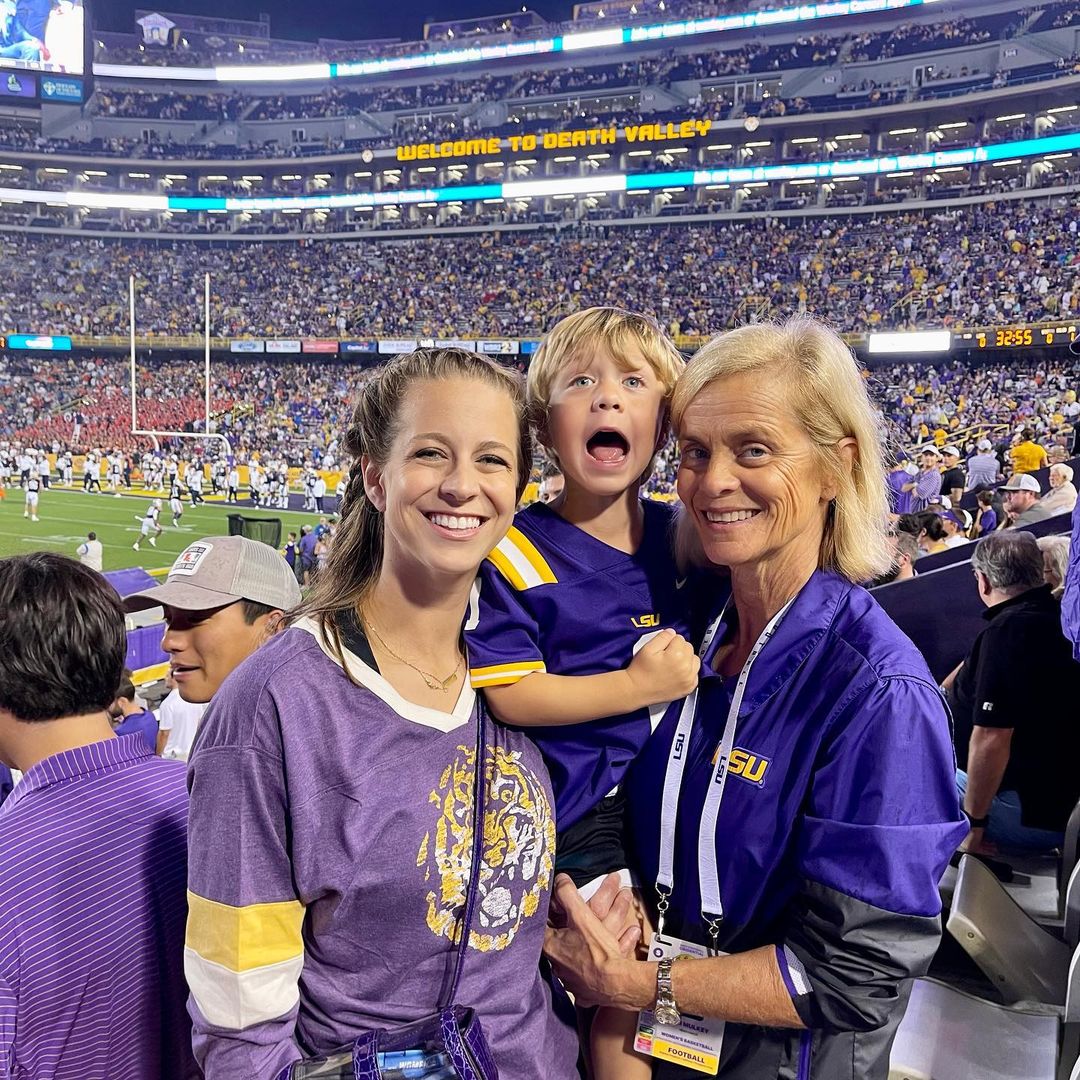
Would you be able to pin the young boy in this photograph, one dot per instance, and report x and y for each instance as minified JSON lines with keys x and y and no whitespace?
{"x":583,"y":620}
{"x":986,"y":519}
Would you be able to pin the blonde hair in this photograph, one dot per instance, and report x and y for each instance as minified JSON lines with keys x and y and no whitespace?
{"x":1055,"y":551}
{"x":827,"y":395}
{"x":619,"y":332}
{"x":356,"y":554}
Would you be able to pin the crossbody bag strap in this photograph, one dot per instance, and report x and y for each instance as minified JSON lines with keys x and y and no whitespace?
{"x":479,"y":801}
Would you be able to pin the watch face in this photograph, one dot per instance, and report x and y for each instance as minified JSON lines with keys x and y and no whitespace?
{"x":666,"y":1014}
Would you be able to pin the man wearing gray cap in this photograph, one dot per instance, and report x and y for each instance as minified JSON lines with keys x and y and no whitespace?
{"x":1022,"y":506}
{"x":224,"y":596}
{"x":982,"y":467}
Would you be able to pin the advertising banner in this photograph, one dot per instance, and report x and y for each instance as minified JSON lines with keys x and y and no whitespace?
{"x":319,"y":345}
{"x":40,"y":342}
{"x":359,"y":346}
{"x":246,"y":345}
{"x":497,"y":348}
{"x":399,"y":345}
{"x":16,"y":84}
{"x":284,"y":346}
{"x":57,"y":89}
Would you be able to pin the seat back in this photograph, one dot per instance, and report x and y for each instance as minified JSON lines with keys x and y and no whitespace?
{"x":1021,"y":959}
{"x":1072,"y":909}
{"x":948,"y":1034}
{"x":1070,"y":854}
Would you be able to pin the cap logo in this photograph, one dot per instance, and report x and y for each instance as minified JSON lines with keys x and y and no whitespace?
{"x":187,"y":562}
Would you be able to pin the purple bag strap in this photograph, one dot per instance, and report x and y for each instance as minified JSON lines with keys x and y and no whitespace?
{"x":479,"y":801}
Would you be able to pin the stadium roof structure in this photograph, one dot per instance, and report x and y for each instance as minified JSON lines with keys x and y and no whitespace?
{"x":420,"y":60}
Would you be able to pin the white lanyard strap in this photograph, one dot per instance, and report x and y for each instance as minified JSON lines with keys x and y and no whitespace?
{"x":712,"y":907}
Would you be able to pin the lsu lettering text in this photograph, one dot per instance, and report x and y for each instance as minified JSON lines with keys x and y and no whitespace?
{"x":642,"y":622}
{"x":747,"y":766}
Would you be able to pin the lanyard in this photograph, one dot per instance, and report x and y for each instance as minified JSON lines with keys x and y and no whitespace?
{"x":712,"y":906}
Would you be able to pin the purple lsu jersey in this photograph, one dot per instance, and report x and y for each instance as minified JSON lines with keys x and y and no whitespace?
{"x":555,"y":599}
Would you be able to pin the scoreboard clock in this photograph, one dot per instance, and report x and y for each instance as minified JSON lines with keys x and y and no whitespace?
{"x":1020,"y":337}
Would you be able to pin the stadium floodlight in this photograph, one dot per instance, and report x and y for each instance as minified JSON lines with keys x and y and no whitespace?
{"x":206,"y":432}
{"x":915,"y":341}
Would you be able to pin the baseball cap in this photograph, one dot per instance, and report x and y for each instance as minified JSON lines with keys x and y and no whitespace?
{"x":220,"y":570}
{"x":950,"y":450}
{"x":930,"y":448}
{"x":985,"y":444}
{"x":959,"y":517}
{"x":1022,"y":482}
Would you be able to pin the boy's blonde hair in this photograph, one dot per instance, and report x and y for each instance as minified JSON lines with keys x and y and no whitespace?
{"x":617,"y":330}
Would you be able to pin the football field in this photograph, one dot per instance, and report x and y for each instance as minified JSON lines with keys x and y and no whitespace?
{"x":66,"y":517}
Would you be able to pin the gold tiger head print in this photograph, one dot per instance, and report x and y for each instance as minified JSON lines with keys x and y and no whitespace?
{"x":518,"y":849}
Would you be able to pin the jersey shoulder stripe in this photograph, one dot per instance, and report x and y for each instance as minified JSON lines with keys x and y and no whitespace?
{"x":519,"y":561}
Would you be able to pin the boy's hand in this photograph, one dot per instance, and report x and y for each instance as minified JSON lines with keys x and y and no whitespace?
{"x":664,"y":669}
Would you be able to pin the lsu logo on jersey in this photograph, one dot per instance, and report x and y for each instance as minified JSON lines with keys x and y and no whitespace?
{"x":747,"y":766}
{"x":644,"y":622}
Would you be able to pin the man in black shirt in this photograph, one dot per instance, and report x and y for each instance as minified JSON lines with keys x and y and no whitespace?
{"x":1014,"y":701}
{"x":953,"y":479}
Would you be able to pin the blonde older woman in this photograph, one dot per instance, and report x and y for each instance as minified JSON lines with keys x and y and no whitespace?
{"x":1061,"y":497}
{"x":796,"y":812}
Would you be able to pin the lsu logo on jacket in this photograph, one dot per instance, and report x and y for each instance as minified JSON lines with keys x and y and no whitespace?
{"x":747,"y":766}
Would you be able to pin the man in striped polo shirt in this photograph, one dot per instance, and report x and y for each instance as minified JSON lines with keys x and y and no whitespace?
{"x":93,"y":846}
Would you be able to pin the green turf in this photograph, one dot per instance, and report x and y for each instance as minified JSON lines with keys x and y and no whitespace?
{"x":66,"y":517}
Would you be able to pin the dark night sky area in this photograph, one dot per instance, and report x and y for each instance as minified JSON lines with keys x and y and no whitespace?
{"x":306,"y":20}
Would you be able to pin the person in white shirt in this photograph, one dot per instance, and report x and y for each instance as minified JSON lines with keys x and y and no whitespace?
{"x":33,"y":486}
{"x":178,"y":720}
{"x":318,"y":491}
{"x":89,"y":552}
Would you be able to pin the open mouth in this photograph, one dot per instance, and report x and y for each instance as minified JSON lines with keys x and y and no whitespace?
{"x":608,"y":447}
{"x":456,"y":523}
{"x":181,"y":669}
{"x":730,"y":517}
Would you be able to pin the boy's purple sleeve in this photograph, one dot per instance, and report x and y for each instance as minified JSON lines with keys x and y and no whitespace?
{"x":503,"y":637}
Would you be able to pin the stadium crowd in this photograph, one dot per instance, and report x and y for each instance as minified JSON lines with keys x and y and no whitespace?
{"x":240,"y":643}
{"x":990,"y":264}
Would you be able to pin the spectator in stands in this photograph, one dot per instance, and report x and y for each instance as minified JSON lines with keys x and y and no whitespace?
{"x":899,"y":480}
{"x":1016,"y":747}
{"x":16,"y":42}
{"x":223,"y":597}
{"x":178,"y":722}
{"x":986,"y":518}
{"x":92,"y":845}
{"x":925,"y":486}
{"x":983,"y":467}
{"x":1027,"y":456}
{"x":313,"y":774}
{"x":130,"y":717}
{"x":1061,"y":498}
{"x":552,"y":482}
{"x":1055,"y":550}
{"x":905,"y":553}
{"x":777,"y":430}
{"x":952,"y":478}
{"x":1022,"y":503}
{"x":89,"y":552}
{"x":957,"y":524}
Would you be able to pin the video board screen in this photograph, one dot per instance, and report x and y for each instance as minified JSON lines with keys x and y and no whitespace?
{"x":43,"y":36}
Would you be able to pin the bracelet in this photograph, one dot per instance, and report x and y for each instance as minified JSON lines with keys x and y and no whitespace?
{"x":976,"y":822}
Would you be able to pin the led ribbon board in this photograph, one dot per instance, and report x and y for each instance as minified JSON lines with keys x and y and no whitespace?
{"x":572,"y":185}
{"x":575,"y":42}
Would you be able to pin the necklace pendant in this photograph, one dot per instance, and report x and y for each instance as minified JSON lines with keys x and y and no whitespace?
{"x":449,"y":680}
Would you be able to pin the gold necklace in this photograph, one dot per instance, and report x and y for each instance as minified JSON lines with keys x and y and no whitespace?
{"x":432,"y":682}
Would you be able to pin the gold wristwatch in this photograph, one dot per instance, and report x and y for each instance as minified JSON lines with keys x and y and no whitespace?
{"x":665,"y":1011}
